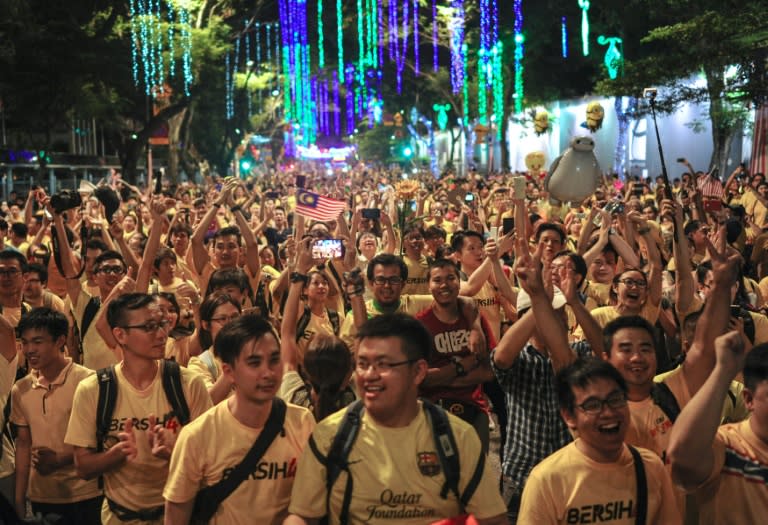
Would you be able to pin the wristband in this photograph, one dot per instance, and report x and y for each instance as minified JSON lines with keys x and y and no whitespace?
{"x":235,"y":208}
{"x":460,"y":370}
{"x":297,"y":277}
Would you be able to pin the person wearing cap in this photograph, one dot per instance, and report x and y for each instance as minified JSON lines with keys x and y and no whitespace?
{"x":525,"y":362}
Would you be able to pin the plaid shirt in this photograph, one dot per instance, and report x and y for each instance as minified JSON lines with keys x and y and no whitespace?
{"x":534,"y":427}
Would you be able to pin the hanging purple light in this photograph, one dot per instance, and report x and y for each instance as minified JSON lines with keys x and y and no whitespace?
{"x":336,"y":105}
{"x":435,"y":64}
{"x":417,"y":60}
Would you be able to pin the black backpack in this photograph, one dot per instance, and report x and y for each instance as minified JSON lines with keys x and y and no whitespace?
{"x":338,"y":454}
{"x":105,"y":407}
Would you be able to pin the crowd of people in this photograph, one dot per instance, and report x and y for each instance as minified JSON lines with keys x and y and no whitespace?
{"x":221,"y":353}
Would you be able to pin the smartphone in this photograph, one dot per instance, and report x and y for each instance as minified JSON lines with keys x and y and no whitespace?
{"x":493,"y":233}
{"x":272,"y":195}
{"x":301,"y":181}
{"x":159,"y":183}
{"x":735,"y":310}
{"x":507,"y":224}
{"x":681,"y":159}
{"x":712,"y":205}
{"x":614,"y":207}
{"x":371,"y":213}
{"x":518,"y":187}
{"x":469,"y":197}
{"x":327,"y":249}
{"x":637,"y":191}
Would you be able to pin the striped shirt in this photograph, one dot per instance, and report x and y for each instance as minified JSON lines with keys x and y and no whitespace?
{"x":534,"y":426}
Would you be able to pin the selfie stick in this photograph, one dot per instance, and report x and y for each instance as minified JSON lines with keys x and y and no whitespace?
{"x":650,"y":93}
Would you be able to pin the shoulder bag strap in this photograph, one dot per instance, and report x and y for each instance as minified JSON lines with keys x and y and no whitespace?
{"x":642,"y":487}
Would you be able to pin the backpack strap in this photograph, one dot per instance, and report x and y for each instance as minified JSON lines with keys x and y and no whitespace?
{"x":174,"y":391}
{"x":6,"y":432}
{"x":642,"y":487}
{"x":664,"y":398}
{"x":303,"y":323}
{"x":336,"y":462}
{"x":333,"y":316}
{"x":89,"y":314}
{"x":105,"y":405}
{"x":446,"y":449}
{"x":207,"y":359}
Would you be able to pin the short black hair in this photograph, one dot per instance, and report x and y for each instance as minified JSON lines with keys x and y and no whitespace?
{"x":416,"y":341}
{"x":117,"y":309}
{"x":19,"y":229}
{"x":442,"y":263}
{"x":96,"y":244}
{"x":40,"y":270}
{"x":625,"y":321}
{"x":457,"y":241}
{"x":579,"y":264}
{"x":225,"y":232}
{"x":550,"y":226}
{"x":386,"y":259}
{"x":47,"y":319}
{"x":9,"y":254}
{"x":756,"y":367}
{"x":231,"y":339}
{"x":107,"y":256}
{"x":228,"y":277}
{"x":580,"y":374}
{"x":164,"y":253}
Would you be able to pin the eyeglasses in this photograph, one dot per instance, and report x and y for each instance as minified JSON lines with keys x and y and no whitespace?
{"x":594,"y":405}
{"x":150,"y":326}
{"x":10,"y":272}
{"x":225,"y":319}
{"x":114,"y":270}
{"x":382,"y":367}
{"x":393,"y":281}
{"x":632,"y":282}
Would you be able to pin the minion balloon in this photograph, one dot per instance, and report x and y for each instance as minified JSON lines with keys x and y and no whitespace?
{"x":575,"y":174}
{"x":595,"y":115}
{"x":540,"y":121}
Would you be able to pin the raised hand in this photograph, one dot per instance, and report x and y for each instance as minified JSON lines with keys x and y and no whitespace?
{"x":127,"y":441}
{"x":731,"y":352}
{"x":161,"y":439}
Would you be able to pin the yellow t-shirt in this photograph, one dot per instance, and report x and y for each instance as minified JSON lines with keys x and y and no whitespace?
{"x":96,"y":352}
{"x":736,"y":491}
{"x":734,"y":409}
{"x":318,"y":324}
{"x":45,"y":409}
{"x":418,"y":276}
{"x":138,"y":483}
{"x":569,"y":487}
{"x":216,"y":442}
{"x":7,"y":377}
{"x":396,"y":474}
{"x":605,"y":314}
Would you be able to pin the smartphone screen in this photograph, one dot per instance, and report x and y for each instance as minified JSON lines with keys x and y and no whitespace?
{"x":518,"y":187}
{"x":327,"y":249}
{"x":371,"y":213}
{"x":507,"y":224}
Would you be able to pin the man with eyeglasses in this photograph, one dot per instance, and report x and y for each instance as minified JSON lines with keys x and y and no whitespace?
{"x":141,"y":438}
{"x":394,"y":473}
{"x":386,"y":275}
{"x":593,"y":478}
{"x":630,"y":346}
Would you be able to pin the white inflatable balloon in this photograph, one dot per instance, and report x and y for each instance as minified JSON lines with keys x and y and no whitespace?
{"x":574,"y":175}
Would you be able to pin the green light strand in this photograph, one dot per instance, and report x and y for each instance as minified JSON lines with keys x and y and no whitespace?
{"x":288,"y":108}
{"x":320,"y":47}
{"x":339,"y":38}
{"x":482,"y":102}
{"x":360,"y":37}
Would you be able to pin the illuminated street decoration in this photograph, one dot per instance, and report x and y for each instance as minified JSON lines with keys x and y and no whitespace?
{"x":614,"y":58}
{"x":584,"y":5}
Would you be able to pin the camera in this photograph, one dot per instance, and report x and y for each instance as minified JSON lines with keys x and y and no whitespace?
{"x":65,"y":200}
{"x":650,"y":93}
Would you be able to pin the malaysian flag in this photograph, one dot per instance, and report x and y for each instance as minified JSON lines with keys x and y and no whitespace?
{"x":759,"y":141}
{"x":314,"y":206}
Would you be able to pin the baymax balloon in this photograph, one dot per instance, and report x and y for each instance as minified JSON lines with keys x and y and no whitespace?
{"x":575,"y":174}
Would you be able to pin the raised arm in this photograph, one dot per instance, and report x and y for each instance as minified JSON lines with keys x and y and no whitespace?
{"x":200,"y":255}
{"x":684,"y":283}
{"x":157,"y":209}
{"x":288,"y":347}
{"x":690,"y":449}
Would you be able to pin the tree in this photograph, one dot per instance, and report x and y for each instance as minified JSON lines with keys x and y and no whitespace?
{"x":726,"y":42}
